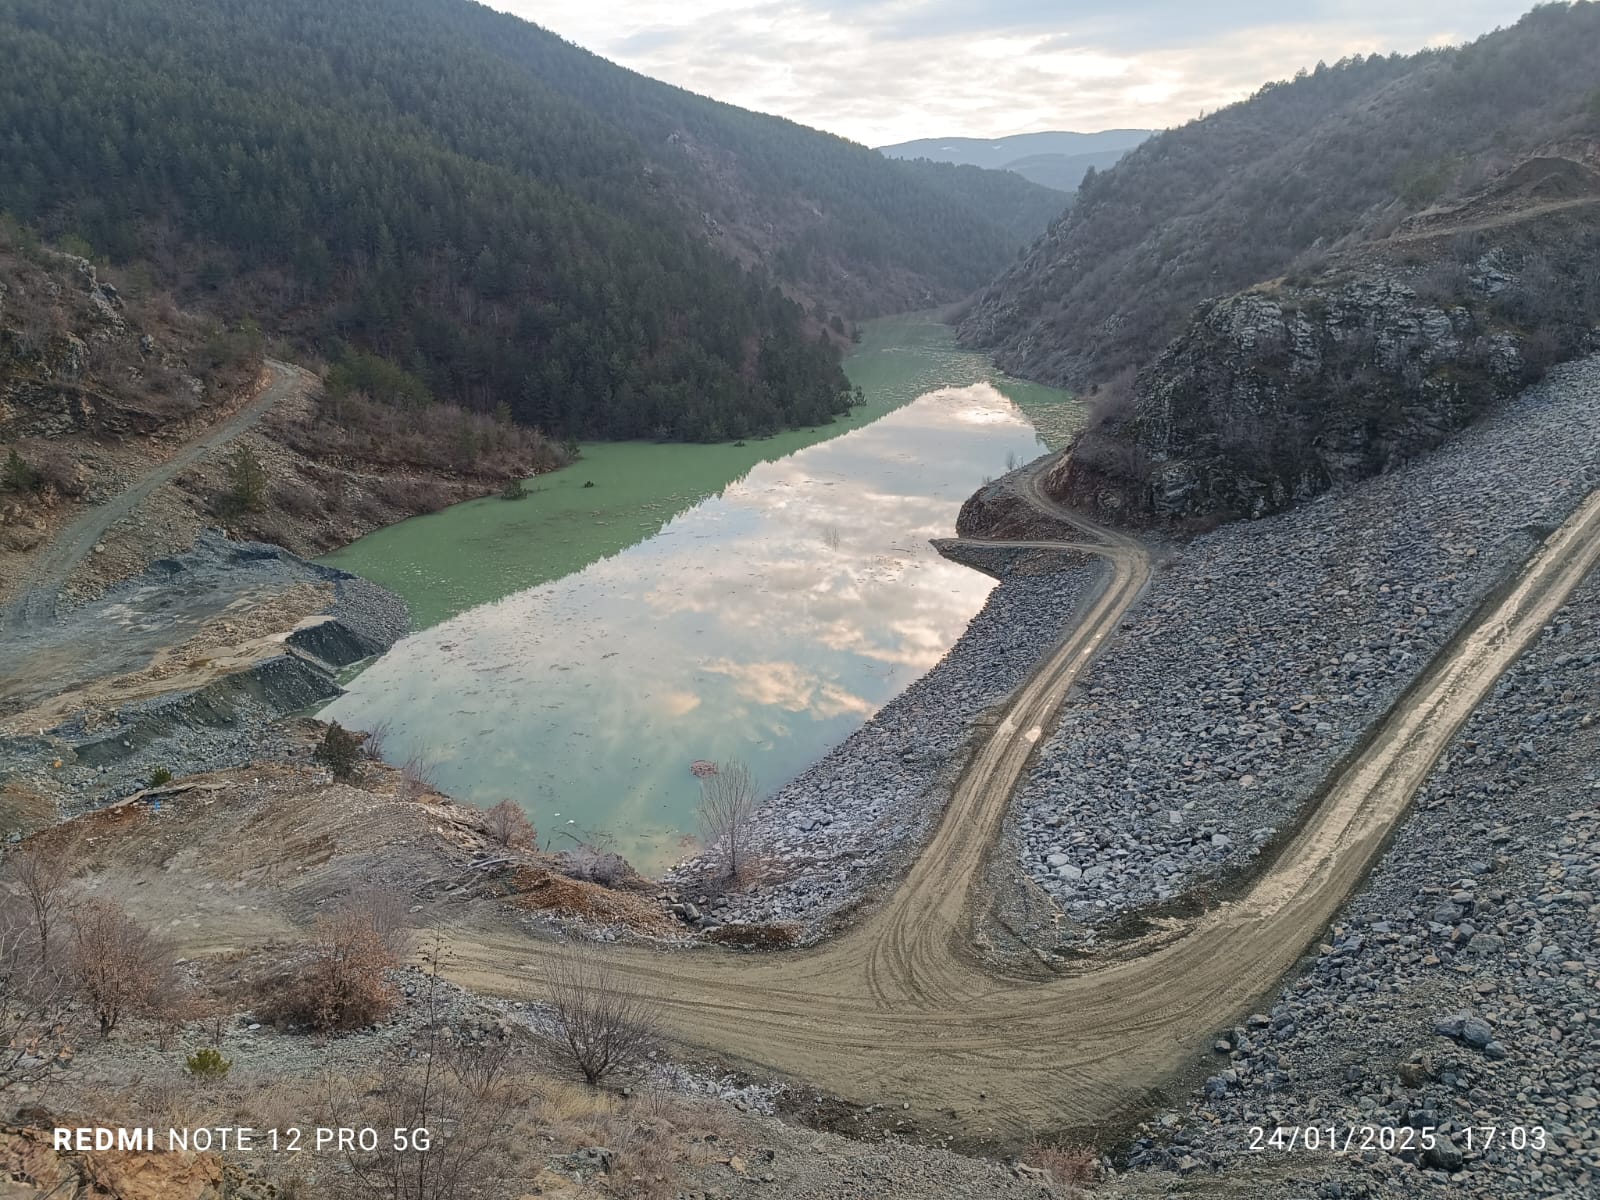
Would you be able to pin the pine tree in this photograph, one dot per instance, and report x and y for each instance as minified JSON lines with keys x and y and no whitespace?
{"x":247,"y":482}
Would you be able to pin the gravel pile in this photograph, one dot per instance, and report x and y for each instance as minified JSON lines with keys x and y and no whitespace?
{"x":1264,"y":650}
{"x":1461,"y":989}
{"x":232,"y":721}
{"x":373,"y":613}
{"x":857,"y":813}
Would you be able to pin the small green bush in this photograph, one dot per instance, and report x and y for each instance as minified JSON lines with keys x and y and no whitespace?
{"x":340,"y":752}
{"x":208,"y":1064}
{"x":17,"y":475}
{"x":514,"y":489}
{"x":160,"y":777}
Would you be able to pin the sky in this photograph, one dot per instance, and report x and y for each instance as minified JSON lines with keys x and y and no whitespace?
{"x":884,"y":71}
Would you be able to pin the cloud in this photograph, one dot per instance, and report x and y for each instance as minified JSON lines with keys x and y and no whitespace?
{"x":789,"y":686}
{"x":885,"y":71}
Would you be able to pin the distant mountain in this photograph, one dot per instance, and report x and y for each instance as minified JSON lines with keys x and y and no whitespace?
{"x":502,"y":215}
{"x":1056,"y":160}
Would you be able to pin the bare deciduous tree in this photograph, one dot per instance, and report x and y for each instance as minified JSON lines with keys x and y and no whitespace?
{"x":453,"y":1104}
{"x":727,"y":805}
{"x":43,"y":877}
{"x":32,"y":1031}
{"x":603,"y":1026}
{"x":509,"y":825}
{"x":118,"y":966}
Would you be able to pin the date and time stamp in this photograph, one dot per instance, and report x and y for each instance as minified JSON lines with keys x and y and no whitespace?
{"x":1283,"y":1139}
{"x":1394,"y":1139}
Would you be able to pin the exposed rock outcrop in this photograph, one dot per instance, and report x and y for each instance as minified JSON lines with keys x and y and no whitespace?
{"x":35,"y":1169}
{"x":1277,"y":393}
{"x":75,"y":359}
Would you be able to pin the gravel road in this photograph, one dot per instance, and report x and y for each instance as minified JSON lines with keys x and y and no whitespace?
{"x":55,"y":564}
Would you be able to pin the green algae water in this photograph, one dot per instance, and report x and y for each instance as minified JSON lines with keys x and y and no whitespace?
{"x":580,"y":648}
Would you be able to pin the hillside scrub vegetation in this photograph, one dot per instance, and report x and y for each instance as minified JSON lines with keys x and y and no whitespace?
{"x":386,"y":424}
{"x":107,"y":355}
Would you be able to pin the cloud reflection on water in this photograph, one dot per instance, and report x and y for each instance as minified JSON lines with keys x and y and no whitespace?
{"x":764,"y":623}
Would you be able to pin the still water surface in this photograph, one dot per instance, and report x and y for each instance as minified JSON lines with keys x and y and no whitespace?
{"x":585,"y":645}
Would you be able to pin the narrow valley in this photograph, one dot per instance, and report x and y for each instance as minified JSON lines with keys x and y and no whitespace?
{"x":561,"y":636}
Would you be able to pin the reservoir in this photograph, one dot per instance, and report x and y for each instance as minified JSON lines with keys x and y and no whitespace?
{"x":579,"y":649}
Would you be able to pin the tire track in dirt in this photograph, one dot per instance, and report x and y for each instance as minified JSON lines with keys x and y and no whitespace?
{"x":900,"y":1010}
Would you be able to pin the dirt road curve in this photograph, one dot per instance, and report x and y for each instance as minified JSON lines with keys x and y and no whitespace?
{"x":73,"y":544}
{"x":901,"y":1010}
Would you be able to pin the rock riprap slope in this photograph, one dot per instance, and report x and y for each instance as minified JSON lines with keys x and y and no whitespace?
{"x":1461,"y":988}
{"x":1263,"y":651}
{"x":852,"y":818}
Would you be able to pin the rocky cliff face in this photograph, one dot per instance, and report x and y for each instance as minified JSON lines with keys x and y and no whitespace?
{"x":73,"y":359}
{"x":1275,"y":394}
{"x":1269,"y":399}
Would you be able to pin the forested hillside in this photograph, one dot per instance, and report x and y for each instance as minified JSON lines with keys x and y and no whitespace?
{"x":502,"y":215}
{"x":1333,"y":158}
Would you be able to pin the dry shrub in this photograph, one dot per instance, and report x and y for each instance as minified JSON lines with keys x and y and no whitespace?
{"x":414,"y":495}
{"x":374,"y":740}
{"x":296,"y":499}
{"x":57,"y":468}
{"x":602,"y":1026}
{"x":640,"y":1134}
{"x":117,"y":965}
{"x":452,"y":1106}
{"x":389,"y":914}
{"x":1071,"y":1168}
{"x":509,"y":826}
{"x":418,"y":778}
{"x":756,"y":937}
{"x":369,"y":510}
{"x":339,"y":983}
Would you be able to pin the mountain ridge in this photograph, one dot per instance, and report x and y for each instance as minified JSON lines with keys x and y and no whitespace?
{"x":1304,"y":167}
{"x":1317,"y":284}
{"x":1056,"y":159}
